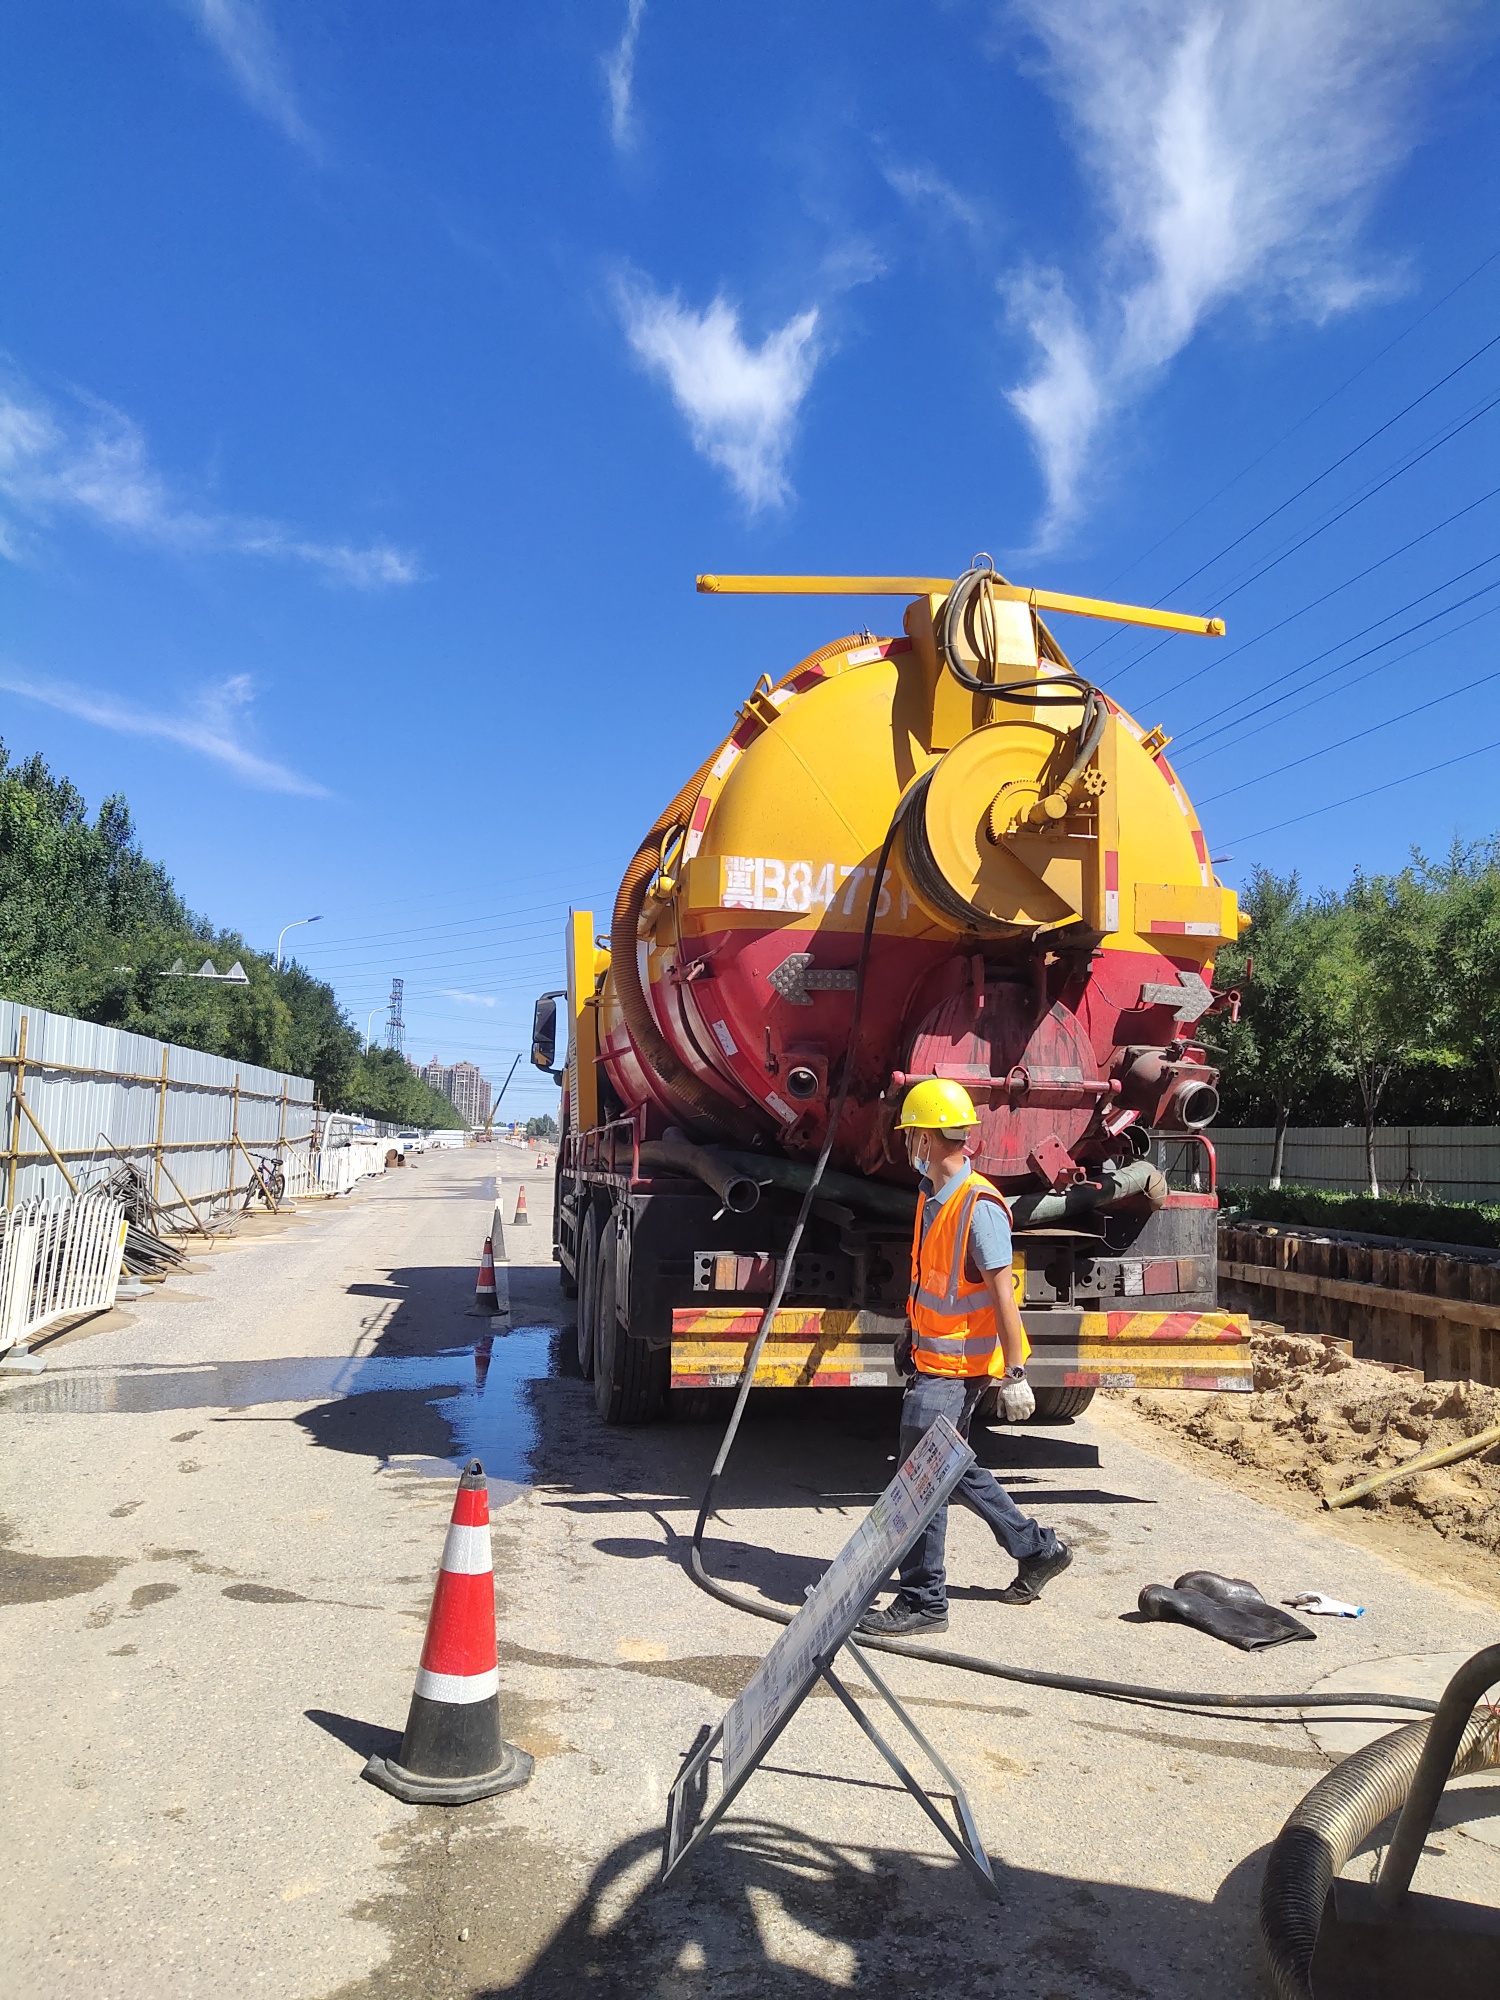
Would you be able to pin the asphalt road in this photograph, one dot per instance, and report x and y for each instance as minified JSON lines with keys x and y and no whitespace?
{"x":222,"y":1518}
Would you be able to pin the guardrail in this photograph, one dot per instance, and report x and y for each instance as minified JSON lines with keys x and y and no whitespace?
{"x":60,"y":1255}
{"x":333,"y":1171}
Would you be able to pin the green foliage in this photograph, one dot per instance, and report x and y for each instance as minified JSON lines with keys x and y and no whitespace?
{"x":1382,"y":1002}
{"x":90,"y":927}
{"x":1469,"y":1222}
{"x":384,"y":1085}
{"x":544,"y":1127}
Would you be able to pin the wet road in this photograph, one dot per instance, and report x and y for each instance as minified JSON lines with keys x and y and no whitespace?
{"x":222,"y":1521}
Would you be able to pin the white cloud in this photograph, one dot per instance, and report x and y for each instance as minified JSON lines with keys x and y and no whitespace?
{"x":1235,"y":145}
{"x":740,"y":402}
{"x":97,"y":465}
{"x":924,"y":187}
{"x":619,"y":78}
{"x":243,"y":38}
{"x":208,"y":728}
{"x":466,"y":999}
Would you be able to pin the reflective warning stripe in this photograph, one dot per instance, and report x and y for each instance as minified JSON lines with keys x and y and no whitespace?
{"x":814,"y":1347}
{"x":467,"y":1551}
{"x":457,"y":1687}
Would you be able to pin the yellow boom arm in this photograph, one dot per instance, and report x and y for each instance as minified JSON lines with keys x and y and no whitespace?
{"x":939,"y":586}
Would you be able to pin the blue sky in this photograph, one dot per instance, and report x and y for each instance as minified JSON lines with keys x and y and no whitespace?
{"x":375,"y":379}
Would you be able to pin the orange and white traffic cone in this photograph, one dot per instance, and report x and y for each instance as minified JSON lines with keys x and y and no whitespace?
{"x":520,"y":1220}
{"x":486,"y":1298}
{"x":453,"y":1750}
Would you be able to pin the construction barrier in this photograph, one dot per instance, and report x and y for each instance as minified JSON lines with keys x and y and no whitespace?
{"x":60,"y":1255}
{"x":77,"y":1100}
{"x":334,"y":1170}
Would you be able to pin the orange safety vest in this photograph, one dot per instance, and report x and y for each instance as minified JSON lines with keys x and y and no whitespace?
{"x":952,"y":1321}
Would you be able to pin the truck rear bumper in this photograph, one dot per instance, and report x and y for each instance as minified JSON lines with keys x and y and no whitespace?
{"x":820,"y":1347}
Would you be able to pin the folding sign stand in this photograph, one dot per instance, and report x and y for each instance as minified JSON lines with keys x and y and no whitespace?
{"x":804,"y":1655}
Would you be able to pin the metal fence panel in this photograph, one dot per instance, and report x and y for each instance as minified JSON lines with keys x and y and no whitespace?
{"x":1454,"y":1162}
{"x":59,"y":1255}
{"x":76,"y":1095}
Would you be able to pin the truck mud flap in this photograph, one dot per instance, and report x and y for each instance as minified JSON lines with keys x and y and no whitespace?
{"x":816,"y":1347}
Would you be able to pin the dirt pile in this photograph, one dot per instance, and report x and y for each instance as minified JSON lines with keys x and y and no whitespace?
{"x":1319,"y":1419}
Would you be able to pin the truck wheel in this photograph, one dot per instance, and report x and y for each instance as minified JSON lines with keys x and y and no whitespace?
{"x":1054,"y":1404}
{"x":588,"y":1265}
{"x":629,"y":1376}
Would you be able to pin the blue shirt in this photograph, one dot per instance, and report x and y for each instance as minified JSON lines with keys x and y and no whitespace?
{"x":989,"y":1227}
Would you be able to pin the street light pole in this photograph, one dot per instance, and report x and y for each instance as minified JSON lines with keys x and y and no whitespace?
{"x":368,"y":1019}
{"x":292,"y":927}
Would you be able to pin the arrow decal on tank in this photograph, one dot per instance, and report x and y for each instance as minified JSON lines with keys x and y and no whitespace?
{"x":795,"y":978}
{"x":1189,"y":999}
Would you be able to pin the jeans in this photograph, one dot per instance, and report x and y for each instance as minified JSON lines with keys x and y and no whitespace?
{"x":923,"y":1577}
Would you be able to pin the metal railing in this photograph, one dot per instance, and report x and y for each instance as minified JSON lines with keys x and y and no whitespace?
{"x":60,"y":1255}
{"x":333,"y":1171}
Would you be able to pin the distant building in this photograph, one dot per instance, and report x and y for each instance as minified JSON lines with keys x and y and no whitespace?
{"x":468,"y":1092}
{"x":463,"y":1086}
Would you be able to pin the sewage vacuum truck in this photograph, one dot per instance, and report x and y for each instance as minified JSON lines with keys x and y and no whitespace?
{"x":1044,"y":932}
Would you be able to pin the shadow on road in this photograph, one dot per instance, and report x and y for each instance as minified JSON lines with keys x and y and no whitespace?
{"x":764,"y":1909}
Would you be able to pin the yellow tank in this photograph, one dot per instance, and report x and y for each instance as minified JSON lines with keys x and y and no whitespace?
{"x":1046,"y":924}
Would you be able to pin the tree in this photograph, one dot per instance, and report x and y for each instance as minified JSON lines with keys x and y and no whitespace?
{"x":1279,"y":1050}
{"x":384,"y":1085}
{"x":544,"y":1127}
{"x":1465,"y":950}
{"x":1373,"y":977}
{"x":90,"y":927}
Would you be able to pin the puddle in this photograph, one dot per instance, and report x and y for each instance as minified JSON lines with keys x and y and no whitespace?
{"x":232,"y":1385}
{"x":491,"y":1418}
{"x":488,"y":1415}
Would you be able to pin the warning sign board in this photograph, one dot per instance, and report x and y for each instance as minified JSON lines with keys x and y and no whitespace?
{"x":838,"y":1600}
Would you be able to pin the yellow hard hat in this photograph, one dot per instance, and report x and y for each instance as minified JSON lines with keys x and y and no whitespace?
{"x":936,"y":1105}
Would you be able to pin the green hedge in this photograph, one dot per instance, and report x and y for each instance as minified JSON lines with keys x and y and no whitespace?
{"x":1469,"y":1222}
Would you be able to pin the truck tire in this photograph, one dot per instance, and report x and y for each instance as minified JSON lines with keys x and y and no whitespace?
{"x":629,"y":1376}
{"x":1054,"y":1404}
{"x":588,"y":1265}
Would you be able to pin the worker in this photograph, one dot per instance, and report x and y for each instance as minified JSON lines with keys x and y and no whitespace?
{"x":965,"y":1330}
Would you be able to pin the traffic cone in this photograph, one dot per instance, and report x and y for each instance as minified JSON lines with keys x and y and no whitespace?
{"x":486,"y":1298}
{"x":453,"y":1750}
{"x":520,"y":1220}
{"x":484,"y":1350}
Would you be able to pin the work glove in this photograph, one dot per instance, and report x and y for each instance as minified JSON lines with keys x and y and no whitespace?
{"x":1017,"y":1402}
{"x":906,"y":1367}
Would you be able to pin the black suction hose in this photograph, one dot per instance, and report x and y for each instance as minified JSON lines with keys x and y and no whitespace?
{"x":940,"y":1656}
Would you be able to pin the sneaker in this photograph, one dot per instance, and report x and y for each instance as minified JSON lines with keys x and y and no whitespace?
{"x":900,"y":1620}
{"x":1035,"y":1574}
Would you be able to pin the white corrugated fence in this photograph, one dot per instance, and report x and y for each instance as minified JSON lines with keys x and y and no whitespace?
{"x":76,"y":1098}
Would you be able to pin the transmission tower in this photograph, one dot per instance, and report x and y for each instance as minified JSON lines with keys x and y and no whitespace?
{"x":395,"y":1027}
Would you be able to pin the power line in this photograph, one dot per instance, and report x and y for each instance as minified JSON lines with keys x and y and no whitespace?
{"x":1218,"y":661}
{"x":1328,"y":470}
{"x":1358,"y":736}
{"x":1332,"y":520}
{"x":1373,"y":791}
{"x":1229,"y":721}
{"x":1348,"y":382}
{"x":1385,"y":666}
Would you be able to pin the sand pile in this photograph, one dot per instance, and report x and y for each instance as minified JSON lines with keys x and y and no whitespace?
{"x":1319,"y":1419}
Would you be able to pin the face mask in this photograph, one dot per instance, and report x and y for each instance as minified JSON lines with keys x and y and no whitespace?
{"x":916,"y":1151}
